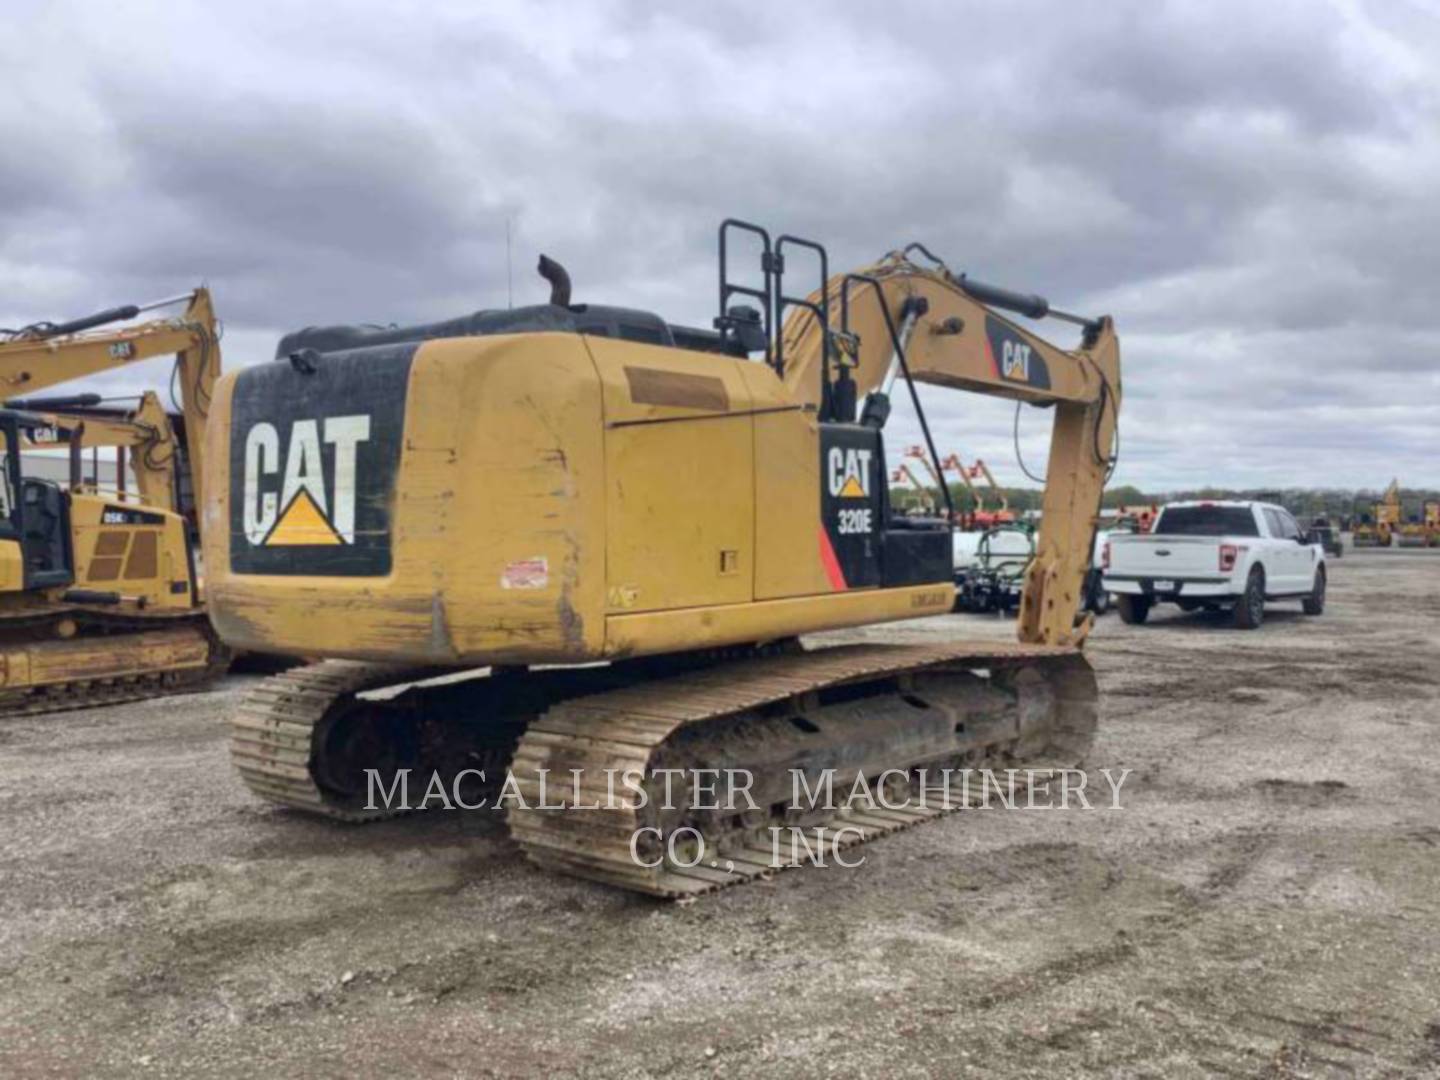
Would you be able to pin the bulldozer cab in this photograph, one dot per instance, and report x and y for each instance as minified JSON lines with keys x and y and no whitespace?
{"x":34,"y":514}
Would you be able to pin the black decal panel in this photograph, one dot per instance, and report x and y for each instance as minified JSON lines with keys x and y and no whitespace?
{"x":128,"y":515}
{"x":313,"y":459}
{"x":1014,"y":358}
{"x":852,"y":485}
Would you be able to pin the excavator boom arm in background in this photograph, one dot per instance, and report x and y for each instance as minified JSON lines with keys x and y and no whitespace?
{"x":47,"y":355}
{"x":145,"y":431}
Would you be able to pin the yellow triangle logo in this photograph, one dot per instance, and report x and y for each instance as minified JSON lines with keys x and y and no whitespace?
{"x":303,"y":525}
{"x":852,"y":489}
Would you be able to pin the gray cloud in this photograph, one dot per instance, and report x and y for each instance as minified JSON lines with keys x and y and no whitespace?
{"x":1248,"y":189}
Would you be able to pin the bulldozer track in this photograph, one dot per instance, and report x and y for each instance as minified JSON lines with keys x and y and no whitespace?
{"x":624,"y":729}
{"x":116,"y":689}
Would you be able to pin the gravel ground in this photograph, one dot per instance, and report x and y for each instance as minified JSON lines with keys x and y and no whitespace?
{"x":1266,"y":902}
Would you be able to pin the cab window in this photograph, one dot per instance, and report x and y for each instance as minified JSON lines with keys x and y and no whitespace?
{"x":1282,"y":525}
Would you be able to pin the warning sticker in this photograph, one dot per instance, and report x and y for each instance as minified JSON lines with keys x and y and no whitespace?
{"x":526,"y":574}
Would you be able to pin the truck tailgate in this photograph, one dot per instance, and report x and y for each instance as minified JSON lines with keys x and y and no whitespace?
{"x":1165,"y":557}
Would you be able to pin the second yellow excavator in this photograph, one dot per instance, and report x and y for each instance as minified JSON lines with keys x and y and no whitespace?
{"x":621,"y":528}
{"x":100,"y":600}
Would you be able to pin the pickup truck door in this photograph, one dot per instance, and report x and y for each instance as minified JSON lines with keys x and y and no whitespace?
{"x":1290,"y":560}
{"x":1304,"y":553}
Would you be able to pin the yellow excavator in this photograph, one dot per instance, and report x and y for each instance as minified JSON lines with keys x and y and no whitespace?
{"x":99,"y":596}
{"x":621,"y":528}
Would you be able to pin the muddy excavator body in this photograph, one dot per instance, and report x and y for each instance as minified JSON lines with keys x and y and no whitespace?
{"x":621,"y":528}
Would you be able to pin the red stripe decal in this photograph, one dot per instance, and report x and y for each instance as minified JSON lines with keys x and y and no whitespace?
{"x":991,"y":353}
{"x":830,"y":562}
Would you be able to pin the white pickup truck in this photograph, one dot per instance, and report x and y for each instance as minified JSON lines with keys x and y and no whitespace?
{"x":1215,"y":555}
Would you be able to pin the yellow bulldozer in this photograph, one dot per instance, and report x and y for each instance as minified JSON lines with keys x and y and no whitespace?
{"x":608,"y":533}
{"x":1420,"y":529}
{"x":100,"y":600}
{"x":1377,"y":525}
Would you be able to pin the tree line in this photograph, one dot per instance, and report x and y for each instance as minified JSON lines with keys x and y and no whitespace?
{"x":1304,"y":503}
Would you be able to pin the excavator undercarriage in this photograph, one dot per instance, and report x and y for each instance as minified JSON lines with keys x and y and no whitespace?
{"x":881,"y":730}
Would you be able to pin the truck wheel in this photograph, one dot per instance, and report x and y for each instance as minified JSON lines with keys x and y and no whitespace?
{"x":1133,"y":609}
{"x":1250,"y":606}
{"x":1314,"y":604}
{"x":1096,"y":598}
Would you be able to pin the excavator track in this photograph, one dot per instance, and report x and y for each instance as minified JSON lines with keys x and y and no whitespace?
{"x":880,"y":710}
{"x":122,"y":663}
{"x":273,"y":733}
{"x":898,"y":709}
{"x":288,"y":739}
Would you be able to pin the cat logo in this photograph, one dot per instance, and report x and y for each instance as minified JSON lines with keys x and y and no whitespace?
{"x":287,"y":501}
{"x":1015,"y":361}
{"x":849,"y":473}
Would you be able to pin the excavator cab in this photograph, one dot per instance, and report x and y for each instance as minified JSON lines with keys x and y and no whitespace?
{"x":34,"y":517}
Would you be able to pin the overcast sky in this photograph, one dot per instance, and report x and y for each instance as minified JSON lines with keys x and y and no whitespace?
{"x":1252,"y":190}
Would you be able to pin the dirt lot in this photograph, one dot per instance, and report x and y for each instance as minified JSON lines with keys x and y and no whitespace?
{"x":1267,"y":902}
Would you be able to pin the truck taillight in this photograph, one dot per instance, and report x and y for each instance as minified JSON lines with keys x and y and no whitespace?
{"x":1105,"y":555}
{"x":1228,"y":554}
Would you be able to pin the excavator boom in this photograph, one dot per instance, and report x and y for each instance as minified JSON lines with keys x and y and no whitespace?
{"x":934,"y":324}
{"x":46,"y":355}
